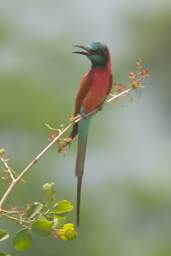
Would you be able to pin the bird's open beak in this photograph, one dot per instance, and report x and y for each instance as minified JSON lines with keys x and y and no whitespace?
{"x":86,"y":51}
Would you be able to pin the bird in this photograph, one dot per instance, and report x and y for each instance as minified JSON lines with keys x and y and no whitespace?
{"x":94,"y":88}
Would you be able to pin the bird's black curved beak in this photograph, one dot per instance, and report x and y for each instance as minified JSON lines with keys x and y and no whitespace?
{"x":86,"y":51}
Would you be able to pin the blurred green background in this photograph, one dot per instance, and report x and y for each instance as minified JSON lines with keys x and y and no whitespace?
{"x":126,"y":199}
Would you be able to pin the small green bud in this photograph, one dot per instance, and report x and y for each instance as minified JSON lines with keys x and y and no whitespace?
{"x":2,"y":151}
{"x":49,"y":190}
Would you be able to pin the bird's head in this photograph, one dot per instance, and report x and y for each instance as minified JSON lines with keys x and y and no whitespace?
{"x":96,"y":52}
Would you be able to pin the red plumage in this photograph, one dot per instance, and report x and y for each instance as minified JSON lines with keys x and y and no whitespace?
{"x":94,"y":88}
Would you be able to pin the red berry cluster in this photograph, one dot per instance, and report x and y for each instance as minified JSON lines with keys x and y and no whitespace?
{"x":121,"y":88}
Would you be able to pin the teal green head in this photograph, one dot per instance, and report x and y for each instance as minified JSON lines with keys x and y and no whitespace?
{"x":96,"y":52}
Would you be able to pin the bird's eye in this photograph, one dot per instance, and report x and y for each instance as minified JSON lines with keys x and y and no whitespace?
{"x":96,"y":51}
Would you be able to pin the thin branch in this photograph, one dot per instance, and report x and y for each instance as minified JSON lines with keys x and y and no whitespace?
{"x":9,"y":212}
{"x":39,"y":156}
{"x":115,"y":96}
{"x":23,"y":222}
{"x":7,"y":168}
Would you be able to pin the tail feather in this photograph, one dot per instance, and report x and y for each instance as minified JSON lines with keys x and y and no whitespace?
{"x":79,"y":183}
{"x":79,"y":170}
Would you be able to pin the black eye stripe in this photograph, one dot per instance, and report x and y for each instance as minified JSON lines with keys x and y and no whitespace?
{"x":98,"y":51}
{"x":103,"y":51}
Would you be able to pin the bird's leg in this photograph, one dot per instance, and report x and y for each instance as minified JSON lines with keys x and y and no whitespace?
{"x":84,"y":115}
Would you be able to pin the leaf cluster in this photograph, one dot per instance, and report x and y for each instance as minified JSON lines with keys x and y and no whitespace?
{"x":44,"y":219}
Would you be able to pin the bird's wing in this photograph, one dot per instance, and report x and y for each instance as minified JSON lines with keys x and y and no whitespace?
{"x":83,"y":90}
{"x":85,"y":85}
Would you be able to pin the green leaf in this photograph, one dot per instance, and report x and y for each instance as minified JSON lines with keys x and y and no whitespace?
{"x":3,"y":235}
{"x":42,"y":227}
{"x":23,"y":240}
{"x":49,"y":190}
{"x":34,"y":210}
{"x":61,"y":208}
{"x":4,"y":254}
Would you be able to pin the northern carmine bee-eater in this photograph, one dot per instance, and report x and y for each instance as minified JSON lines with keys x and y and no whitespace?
{"x":94,"y":88}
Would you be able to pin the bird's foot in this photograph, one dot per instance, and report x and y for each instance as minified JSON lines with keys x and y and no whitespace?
{"x":100,"y":108}
{"x":63,"y":144}
{"x":74,"y":118}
